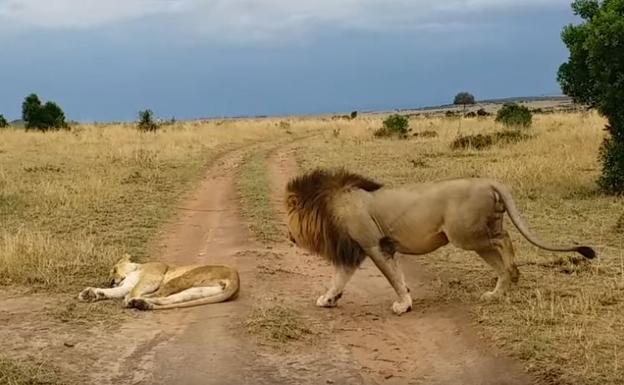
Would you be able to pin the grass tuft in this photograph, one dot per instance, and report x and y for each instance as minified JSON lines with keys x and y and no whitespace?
{"x":277,"y":324}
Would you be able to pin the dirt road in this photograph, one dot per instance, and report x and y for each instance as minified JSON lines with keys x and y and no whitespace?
{"x":359,"y":342}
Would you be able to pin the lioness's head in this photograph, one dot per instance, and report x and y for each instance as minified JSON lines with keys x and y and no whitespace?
{"x":121,"y":269}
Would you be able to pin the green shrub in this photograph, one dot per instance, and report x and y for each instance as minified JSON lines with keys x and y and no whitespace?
{"x":353,"y":114}
{"x":593,"y":76}
{"x":42,"y":117}
{"x":611,"y":155}
{"x":146,"y":121}
{"x":514,"y":115}
{"x":3,"y":122}
{"x":394,"y":125}
{"x":470,"y":114}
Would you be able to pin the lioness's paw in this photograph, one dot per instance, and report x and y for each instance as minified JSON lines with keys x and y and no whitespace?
{"x":488,"y":296}
{"x":326,"y":301}
{"x":88,"y":295}
{"x":400,"y":307}
{"x":141,"y":304}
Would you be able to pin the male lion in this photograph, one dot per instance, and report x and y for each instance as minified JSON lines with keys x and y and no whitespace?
{"x":156,"y":285}
{"x":345,"y":217}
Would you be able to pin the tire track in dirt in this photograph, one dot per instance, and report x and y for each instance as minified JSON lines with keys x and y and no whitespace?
{"x":434,"y":344}
{"x":212,"y":348}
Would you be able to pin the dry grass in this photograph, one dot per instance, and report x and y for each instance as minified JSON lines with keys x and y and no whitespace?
{"x":12,"y":373}
{"x":277,"y":324}
{"x":564,"y":319}
{"x":254,"y":190}
{"x":72,"y":202}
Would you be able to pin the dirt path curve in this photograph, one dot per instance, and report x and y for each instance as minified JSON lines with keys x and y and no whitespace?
{"x":210,"y":348}
{"x":431,"y":345}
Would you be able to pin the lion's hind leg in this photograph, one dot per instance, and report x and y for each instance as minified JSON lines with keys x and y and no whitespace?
{"x":201,"y":294}
{"x":495,"y":258}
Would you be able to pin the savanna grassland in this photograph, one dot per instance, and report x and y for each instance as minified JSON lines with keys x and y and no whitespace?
{"x":71,"y":202}
{"x":564,"y":318}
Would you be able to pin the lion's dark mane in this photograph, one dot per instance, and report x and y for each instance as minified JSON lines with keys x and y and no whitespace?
{"x":319,"y":230}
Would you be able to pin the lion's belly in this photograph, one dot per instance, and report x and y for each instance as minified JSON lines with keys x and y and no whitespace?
{"x":417,"y":244}
{"x":414,"y":225}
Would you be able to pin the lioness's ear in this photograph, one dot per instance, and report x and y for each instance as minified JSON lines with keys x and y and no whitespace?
{"x":126,"y":258}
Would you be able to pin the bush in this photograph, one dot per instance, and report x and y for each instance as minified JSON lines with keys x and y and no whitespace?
{"x":478,"y":142}
{"x":514,"y":115}
{"x":481,"y":141}
{"x":353,"y":114}
{"x":394,"y":125}
{"x":611,"y":154}
{"x":42,"y":117}
{"x":470,"y":114}
{"x":482,"y":112}
{"x":510,"y":136}
{"x":3,"y":122}
{"x":426,"y":134}
{"x":146,"y":121}
{"x":593,"y":76}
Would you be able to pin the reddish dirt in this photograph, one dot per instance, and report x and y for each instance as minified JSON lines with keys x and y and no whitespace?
{"x":359,"y":342}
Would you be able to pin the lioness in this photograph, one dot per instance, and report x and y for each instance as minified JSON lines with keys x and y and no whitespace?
{"x":346,"y":217}
{"x":156,"y":285}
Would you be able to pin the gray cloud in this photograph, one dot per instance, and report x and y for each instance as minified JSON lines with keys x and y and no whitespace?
{"x":252,"y":20}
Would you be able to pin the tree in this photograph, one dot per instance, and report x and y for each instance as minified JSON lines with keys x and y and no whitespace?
{"x":464,"y":98}
{"x":353,"y":114}
{"x":30,"y":110}
{"x":42,"y":117}
{"x":594,"y":75}
{"x":146,"y":121}
{"x":3,"y":122}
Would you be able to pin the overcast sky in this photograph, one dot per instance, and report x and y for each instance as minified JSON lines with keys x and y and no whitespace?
{"x":105,"y":60}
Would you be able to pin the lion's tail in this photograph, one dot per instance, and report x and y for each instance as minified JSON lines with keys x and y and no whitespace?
{"x":229,"y":292}
{"x":516,"y":219}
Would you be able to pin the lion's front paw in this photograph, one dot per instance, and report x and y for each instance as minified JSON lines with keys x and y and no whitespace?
{"x":328,"y":301}
{"x":141,"y":304}
{"x":88,"y":295}
{"x":400,"y":307}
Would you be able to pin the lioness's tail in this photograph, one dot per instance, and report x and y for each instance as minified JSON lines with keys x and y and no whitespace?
{"x":516,"y":219}
{"x":229,"y":292}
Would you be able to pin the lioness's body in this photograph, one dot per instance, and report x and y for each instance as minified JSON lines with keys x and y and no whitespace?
{"x":156,"y":285}
{"x":346,"y":217}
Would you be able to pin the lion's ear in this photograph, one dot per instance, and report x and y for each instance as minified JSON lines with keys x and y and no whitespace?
{"x":126,"y":258}
{"x":292,"y":201}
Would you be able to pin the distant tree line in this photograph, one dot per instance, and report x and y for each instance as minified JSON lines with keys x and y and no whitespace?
{"x":39,"y":116}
